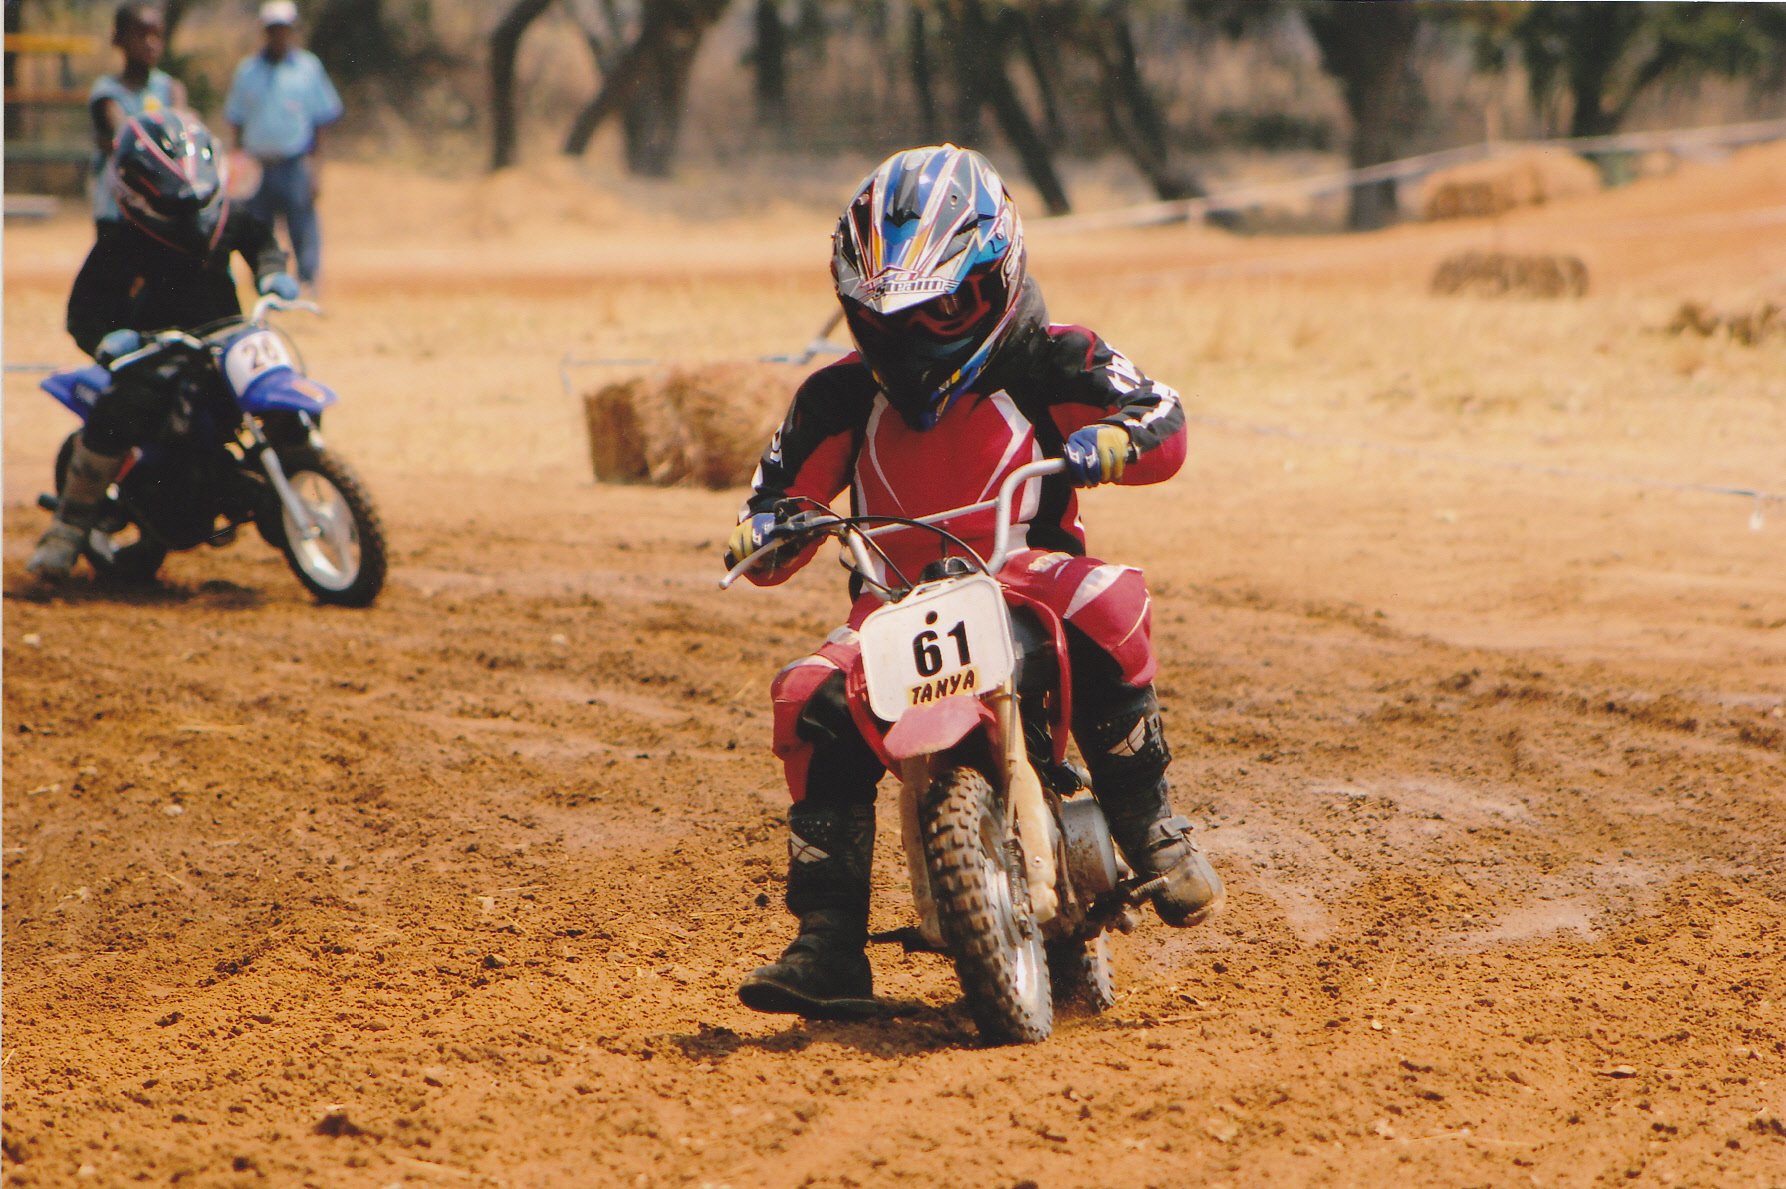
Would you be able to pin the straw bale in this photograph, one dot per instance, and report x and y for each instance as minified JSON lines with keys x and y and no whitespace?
{"x":700,"y":427}
{"x":1495,"y":274}
{"x":1522,"y":177}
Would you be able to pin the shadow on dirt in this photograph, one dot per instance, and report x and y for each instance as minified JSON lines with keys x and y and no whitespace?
{"x":905,"y":1029}
{"x":216,"y":593}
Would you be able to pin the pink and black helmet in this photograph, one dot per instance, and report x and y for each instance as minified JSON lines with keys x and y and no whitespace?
{"x":167,"y":176}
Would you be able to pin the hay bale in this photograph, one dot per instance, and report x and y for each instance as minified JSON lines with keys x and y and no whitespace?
{"x":701,"y":427}
{"x":1523,"y":177}
{"x":1500,"y":274}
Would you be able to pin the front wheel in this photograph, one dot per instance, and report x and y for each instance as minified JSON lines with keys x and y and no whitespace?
{"x":976,"y":870}
{"x":343,"y":561}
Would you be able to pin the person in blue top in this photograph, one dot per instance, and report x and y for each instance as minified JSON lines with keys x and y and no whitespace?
{"x":141,"y":36}
{"x":279,"y":103}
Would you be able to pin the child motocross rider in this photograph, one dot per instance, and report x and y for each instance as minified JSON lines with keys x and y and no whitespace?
{"x":958,"y":380}
{"x":166,"y":264}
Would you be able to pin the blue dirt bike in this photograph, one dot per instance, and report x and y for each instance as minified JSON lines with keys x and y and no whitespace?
{"x":242,"y":443}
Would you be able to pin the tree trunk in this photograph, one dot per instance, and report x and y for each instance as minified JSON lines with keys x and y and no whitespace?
{"x":1366,"y":47}
{"x":170,"y":22}
{"x":1599,"y":39}
{"x":971,"y":58}
{"x":653,"y":117}
{"x":505,"y":43}
{"x":771,"y":56}
{"x":355,"y":41}
{"x":923,"y":77}
{"x":1020,"y":27}
{"x":649,"y":83}
{"x":980,"y":56}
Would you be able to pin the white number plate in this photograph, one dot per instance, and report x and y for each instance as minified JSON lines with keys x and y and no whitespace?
{"x":252,"y":356}
{"x":953,"y":637}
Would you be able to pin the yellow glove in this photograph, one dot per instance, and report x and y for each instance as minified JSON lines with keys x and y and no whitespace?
{"x":1098,"y":454}
{"x":748,"y":537}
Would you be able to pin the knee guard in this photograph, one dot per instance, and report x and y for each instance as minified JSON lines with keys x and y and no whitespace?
{"x":823,"y":755}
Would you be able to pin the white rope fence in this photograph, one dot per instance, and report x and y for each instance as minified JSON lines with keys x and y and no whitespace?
{"x":1682,"y":141}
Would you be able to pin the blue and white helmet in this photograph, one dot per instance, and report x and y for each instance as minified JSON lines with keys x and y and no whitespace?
{"x":929,"y":264}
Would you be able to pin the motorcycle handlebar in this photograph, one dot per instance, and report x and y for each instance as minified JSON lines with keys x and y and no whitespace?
{"x":806,"y":523}
{"x":272,"y":301}
{"x":162,"y":340}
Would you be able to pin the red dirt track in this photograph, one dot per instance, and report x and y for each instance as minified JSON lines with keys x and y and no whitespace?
{"x":1487,"y":738}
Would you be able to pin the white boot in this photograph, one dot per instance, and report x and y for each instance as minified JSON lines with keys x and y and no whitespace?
{"x":83,"y":491}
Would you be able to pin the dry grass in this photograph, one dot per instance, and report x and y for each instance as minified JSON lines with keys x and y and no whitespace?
{"x":1750,"y":327}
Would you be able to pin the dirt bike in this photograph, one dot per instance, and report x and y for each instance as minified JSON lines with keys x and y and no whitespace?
{"x":242,"y":442}
{"x":960,"y":689}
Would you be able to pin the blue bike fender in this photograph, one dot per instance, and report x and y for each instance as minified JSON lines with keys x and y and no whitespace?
{"x":78,"y":388}
{"x":938,"y":726}
{"x":283,"y":388}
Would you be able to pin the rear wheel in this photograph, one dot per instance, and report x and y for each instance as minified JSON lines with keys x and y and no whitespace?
{"x":976,"y":870}
{"x":1081,"y":974}
{"x":343,"y":560}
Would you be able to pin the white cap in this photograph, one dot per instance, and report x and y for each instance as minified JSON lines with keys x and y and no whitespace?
{"x":278,"y":12}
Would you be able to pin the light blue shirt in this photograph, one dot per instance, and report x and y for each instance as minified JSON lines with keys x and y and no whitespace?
{"x":280,"y":105}
{"x":157,"y":95}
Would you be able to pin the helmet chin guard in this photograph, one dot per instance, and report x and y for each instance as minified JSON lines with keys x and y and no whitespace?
{"x":929,"y":263}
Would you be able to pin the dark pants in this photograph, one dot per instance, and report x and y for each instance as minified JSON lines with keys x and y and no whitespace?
{"x":129,"y":413}
{"x":286,"y":192}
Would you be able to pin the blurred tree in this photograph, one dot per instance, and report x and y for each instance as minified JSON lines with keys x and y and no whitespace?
{"x":1131,"y":113}
{"x":648,"y":85}
{"x":505,"y":44}
{"x":1366,"y":48}
{"x":980,"y":44}
{"x":1602,"y":57}
{"x":923,"y":76}
{"x":355,"y":40}
{"x":770,"y":58}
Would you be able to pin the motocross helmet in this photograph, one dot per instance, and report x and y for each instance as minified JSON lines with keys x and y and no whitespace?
{"x":929,"y":264}
{"x":168,"y":178}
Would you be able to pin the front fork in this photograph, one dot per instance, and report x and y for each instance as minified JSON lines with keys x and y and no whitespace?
{"x":1026,"y":805}
{"x":293,"y":503}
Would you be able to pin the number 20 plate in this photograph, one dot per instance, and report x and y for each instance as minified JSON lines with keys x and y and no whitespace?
{"x":949,"y":638}
{"x":252,"y":356}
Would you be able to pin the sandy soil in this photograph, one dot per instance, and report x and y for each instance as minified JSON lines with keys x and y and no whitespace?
{"x":455,"y":891}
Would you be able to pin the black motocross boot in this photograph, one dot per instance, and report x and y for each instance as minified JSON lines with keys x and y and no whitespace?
{"x":824,"y":974}
{"x":1125,"y":748}
{"x":78,"y":509}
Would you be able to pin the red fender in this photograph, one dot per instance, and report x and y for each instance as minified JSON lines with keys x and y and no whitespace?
{"x":938,"y":726}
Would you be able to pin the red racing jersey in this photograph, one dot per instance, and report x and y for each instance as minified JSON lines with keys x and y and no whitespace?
{"x":841,"y":432}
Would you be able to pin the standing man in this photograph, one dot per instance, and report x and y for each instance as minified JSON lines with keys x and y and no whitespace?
{"x":279,"y":103}
{"x":140,"y":34}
